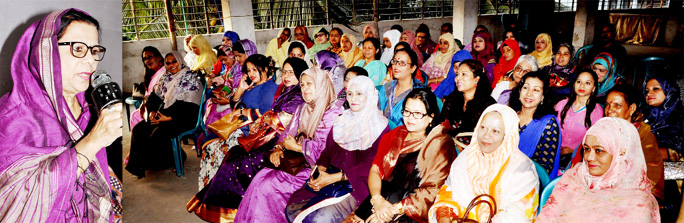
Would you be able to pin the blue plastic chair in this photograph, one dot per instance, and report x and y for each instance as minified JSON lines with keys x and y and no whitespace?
{"x":543,"y":175}
{"x":546,"y":193}
{"x":199,"y":128}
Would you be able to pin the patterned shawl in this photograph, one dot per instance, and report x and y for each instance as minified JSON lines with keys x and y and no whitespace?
{"x":622,"y":194}
{"x":359,"y":130}
{"x":544,"y":58}
{"x":38,"y":162}
{"x":181,"y":86}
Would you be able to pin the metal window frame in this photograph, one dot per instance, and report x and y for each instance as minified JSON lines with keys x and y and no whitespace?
{"x":204,"y":13}
{"x":513,"y":9}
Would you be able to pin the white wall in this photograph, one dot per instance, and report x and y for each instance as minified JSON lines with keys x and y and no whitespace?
{"x":133,"y":68}
{"x":19,"y":15}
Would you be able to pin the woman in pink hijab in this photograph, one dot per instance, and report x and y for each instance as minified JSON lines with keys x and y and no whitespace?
{"x":610,"y":185}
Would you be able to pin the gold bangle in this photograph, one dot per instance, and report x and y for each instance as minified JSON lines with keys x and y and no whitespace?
{"x":374,"y":197}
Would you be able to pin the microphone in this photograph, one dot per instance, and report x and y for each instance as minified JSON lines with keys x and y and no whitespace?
{"x":105,"y":92}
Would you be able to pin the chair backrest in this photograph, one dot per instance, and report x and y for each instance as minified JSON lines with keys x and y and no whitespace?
{"x":546,"y":193}
{"x":543,"y":175}
{"x":200,"y":116}
{"x":649,"y":67}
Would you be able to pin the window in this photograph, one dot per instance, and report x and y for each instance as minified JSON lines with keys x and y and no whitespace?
{"x":632,"y":4}
{"x":272,"y":14}
{"x":147,"y":19}
{"x":565,"y":6}
{"x":497,"y":7}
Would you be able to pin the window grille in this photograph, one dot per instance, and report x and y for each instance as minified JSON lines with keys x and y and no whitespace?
{"x":498,"y":7}
{"x":147,"y":19}
{"x":565,"y":6}
{"x":632,"y":4}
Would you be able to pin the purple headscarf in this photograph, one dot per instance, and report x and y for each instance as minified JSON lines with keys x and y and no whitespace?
{"x":38,"y":161}
{"x":249,"y":48}
{"x":331,"y":62}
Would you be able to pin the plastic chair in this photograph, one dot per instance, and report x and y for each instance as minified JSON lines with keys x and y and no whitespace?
{"x":546,"y":193}
{"x":543,"y":175}
{"x":199,"y":128}
{"x":132,"y":101}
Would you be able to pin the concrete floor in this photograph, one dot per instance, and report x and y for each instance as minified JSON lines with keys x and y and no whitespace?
{"x":160,"y":196}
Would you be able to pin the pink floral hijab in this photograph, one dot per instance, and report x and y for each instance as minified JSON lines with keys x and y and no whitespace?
{"x":622,"y":194}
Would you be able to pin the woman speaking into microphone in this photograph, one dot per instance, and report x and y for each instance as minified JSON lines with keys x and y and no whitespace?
{"x":51,"y":168}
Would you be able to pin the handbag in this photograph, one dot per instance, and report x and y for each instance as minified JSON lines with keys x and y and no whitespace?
{"x":336,"y":189}
{"x":479,"y":199}
{"x":292,"y":162}
{"x":265,"y":131}
{"x":227,"y":125}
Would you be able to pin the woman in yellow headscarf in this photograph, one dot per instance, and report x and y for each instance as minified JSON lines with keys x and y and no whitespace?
{"x":437,"y":66}
{"x":543,"y":50}
{"x":350,"y":52}
{"x":206,"y":57}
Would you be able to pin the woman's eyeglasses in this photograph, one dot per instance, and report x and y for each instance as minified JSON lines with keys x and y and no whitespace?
{"x":80,"y":49}
{"x":416,"y":115}
{"x":400,"y":63}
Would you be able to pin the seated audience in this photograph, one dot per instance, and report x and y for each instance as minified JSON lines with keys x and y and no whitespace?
{"x":409,"y":37}
{"x":371,"y":60}
{"x":561,"y":71}
{"x":229,"y":39}
{"x":392,"y":94}
{"x":335,"y":36}
{"x":540,"y":133}
{"x":494,"y":166}
{"x":543,"y":50}
{"x":302,"y":34}
{"x":154,"y":69}
{"x":322,"y":37}
{"x":514,"y":34}
{"x":242,"y":49}
{"x":350,"y":52}
{"x":502,"y":91}
{"x":389,"y":40}
{"x":277,"y":47}
{"x":605,"y":67}
{"x":205,"y":55}
{"x":577,"y":113}
{"x":227,"y":176}
{"x":349,"y":152}
{"x":663,"y":111}
{"x":266,"y":197}
{"x":483,"y":51}
{"x":464,"y":106}
{"x":510,"y":52}
{"x":623,"y":102}
{"x":446,"y":87}
{"x":331,"y":62}
{"x":610,"y":185}
{"x":173,"y":108}
{"x":437,"y":66}
{"x":412,"y":161}
{"x":424,"y":42}
{"x":298,"y":50}
{"x":351,"y":73}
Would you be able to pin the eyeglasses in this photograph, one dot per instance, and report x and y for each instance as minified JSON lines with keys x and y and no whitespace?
{"x":416,"y":115}
{"x":172,"y":62}
{"x":400,"y":63}
{"x":80,"y":49}
{"x":518,"y":70}
{"x":319,"y":35}
{"x":288,"y":72}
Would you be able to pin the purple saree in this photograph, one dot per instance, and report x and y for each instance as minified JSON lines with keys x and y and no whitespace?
{"x":267,"y":196}
{"x":39,"y":179}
